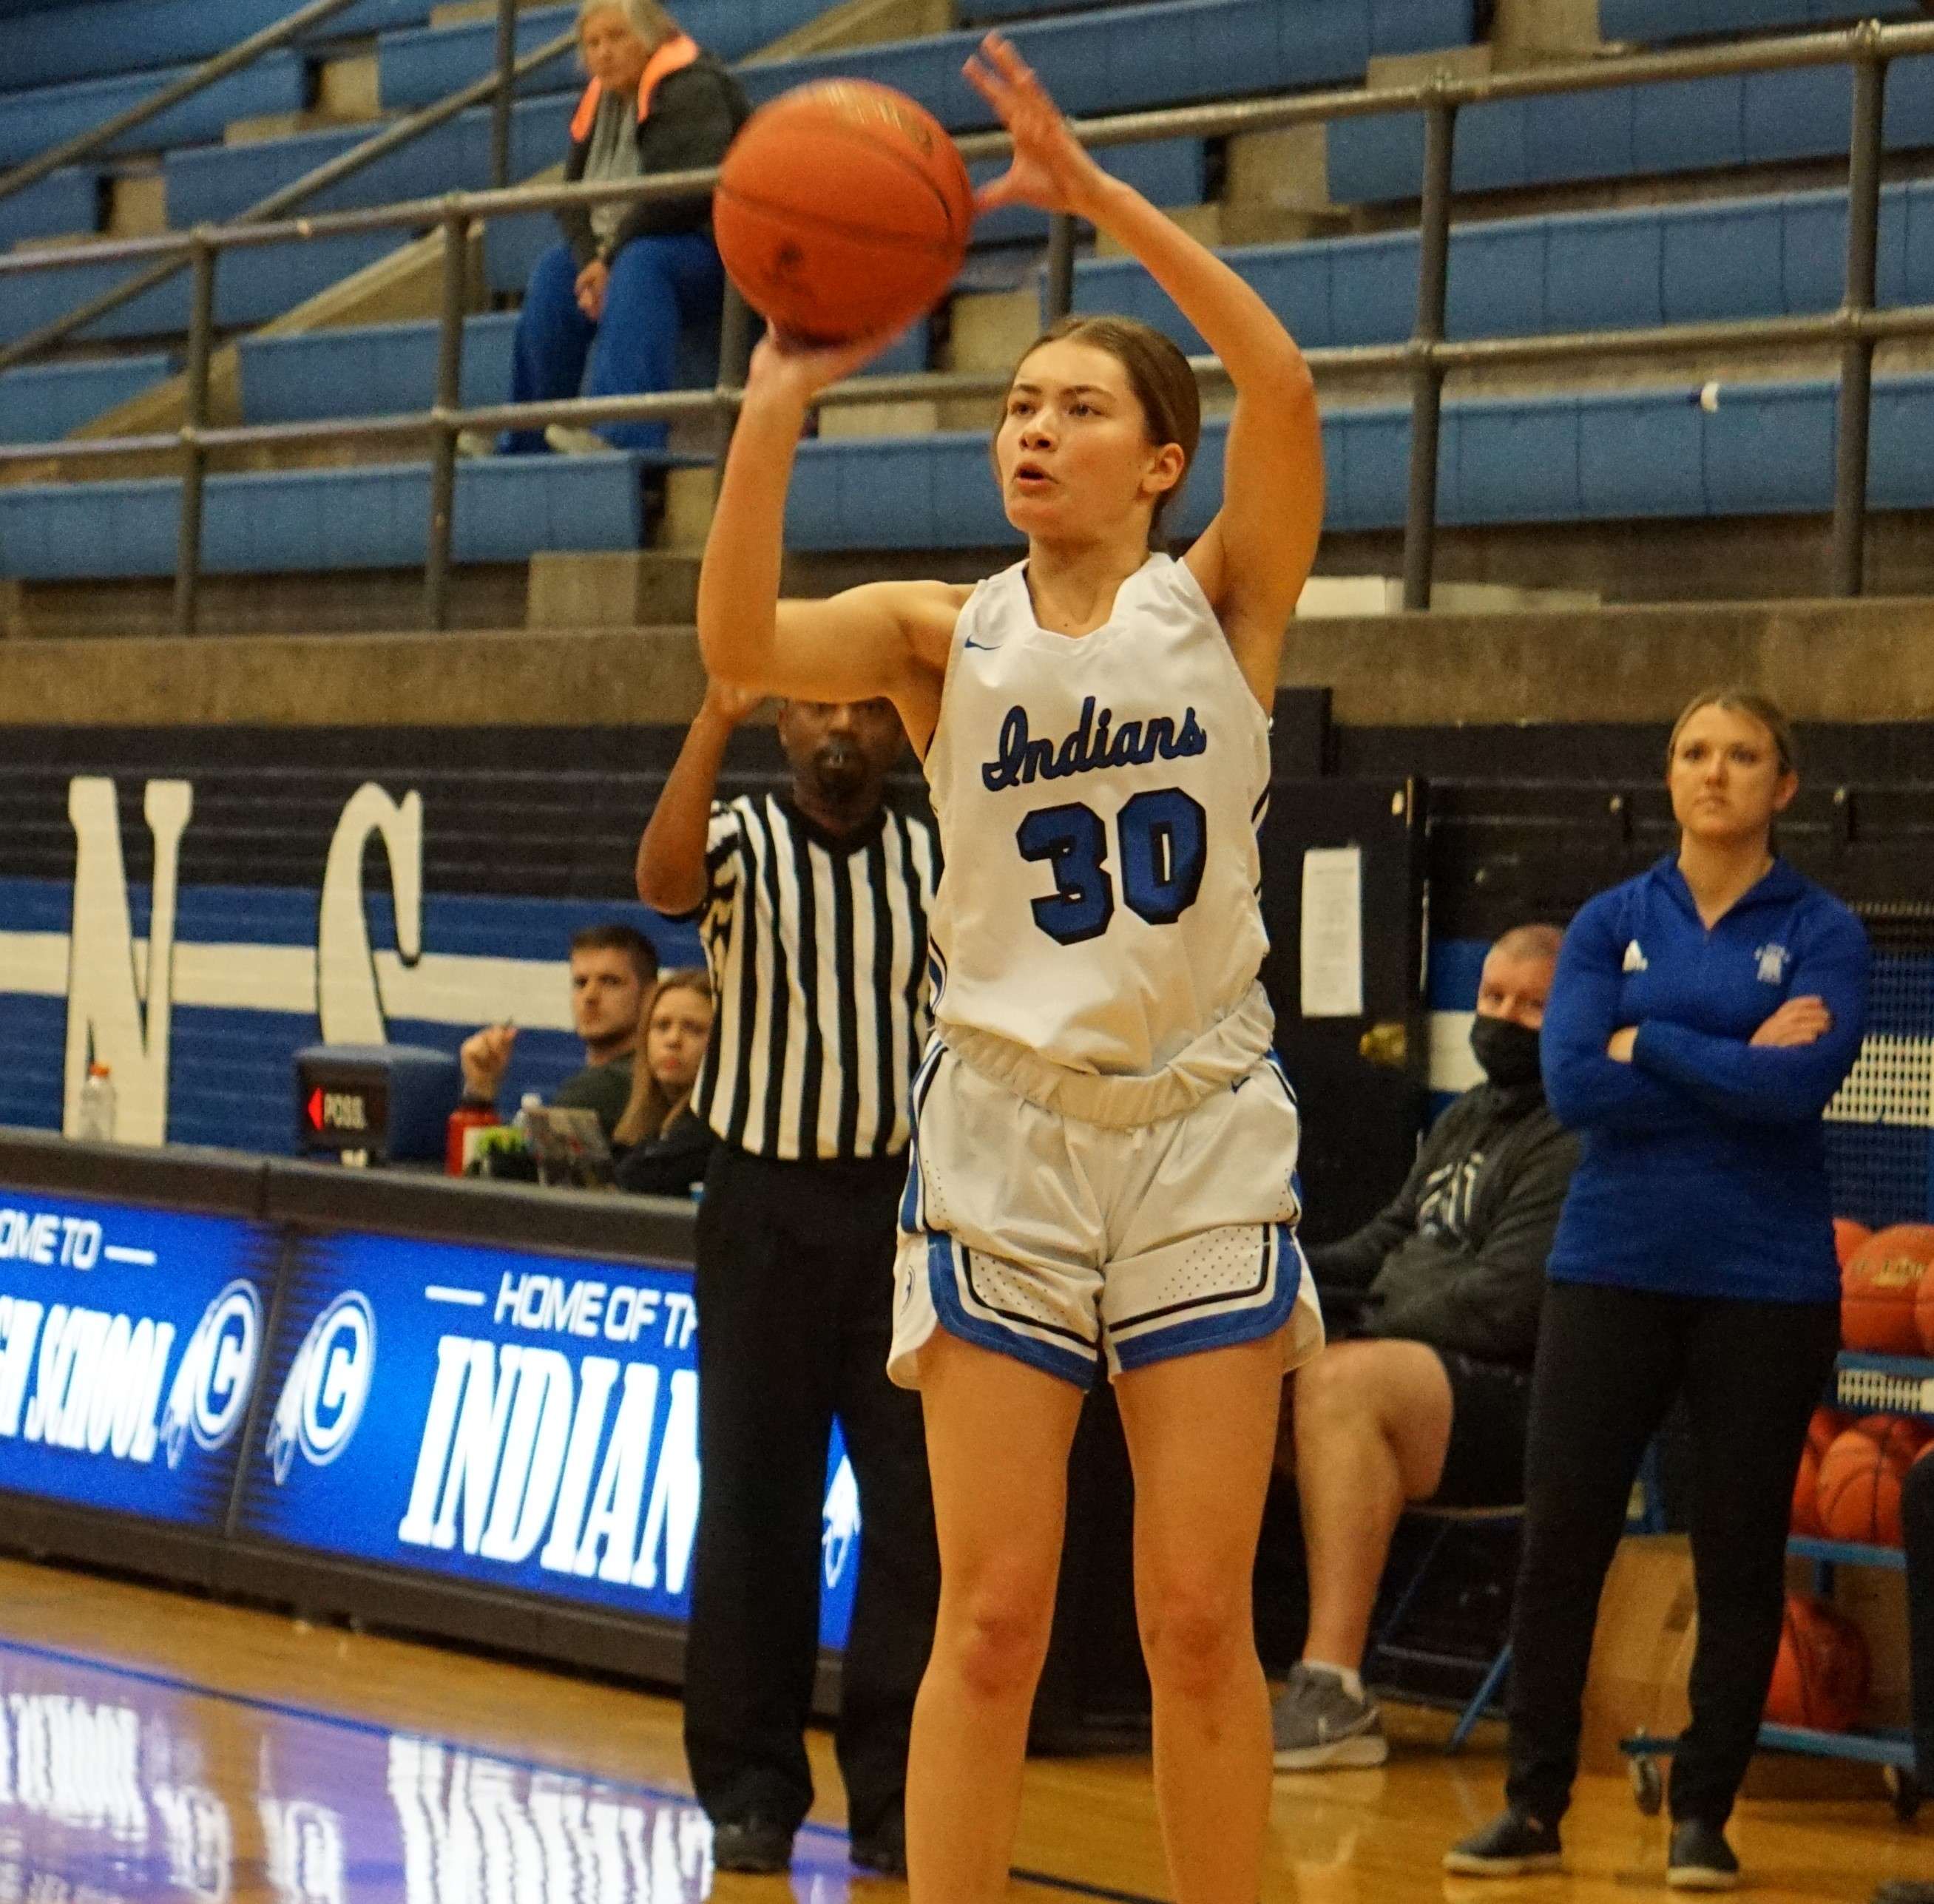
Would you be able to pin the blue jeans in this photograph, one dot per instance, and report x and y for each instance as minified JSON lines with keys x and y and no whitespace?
{"x":658,"y":285}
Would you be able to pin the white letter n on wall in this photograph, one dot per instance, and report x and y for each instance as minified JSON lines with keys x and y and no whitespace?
{"x":105,"y":1023}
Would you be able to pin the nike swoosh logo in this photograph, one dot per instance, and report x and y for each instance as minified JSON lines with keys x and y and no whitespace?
{"x":1239,"y":1084}
{"x":987,"y":647}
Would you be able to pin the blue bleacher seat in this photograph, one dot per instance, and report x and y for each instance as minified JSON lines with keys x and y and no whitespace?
{"x":1765,"y":449}
{"x":508,"y":508}
{"x":1630,"y":131}
{"x":104,"y":37}
{"x":415,"y":68}
{"x":251,"y":286}
{"x":1121,"y":58}
{"x":43,"y":402}
{"x":31,"y":121}
{"x":1167,"y":172}
{"x":1778,"y":255}
{"x":63,"y":204}
{"x":1654,"y":22}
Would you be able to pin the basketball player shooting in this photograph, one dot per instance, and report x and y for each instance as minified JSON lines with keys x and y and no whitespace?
{"x":1103,"y":1167}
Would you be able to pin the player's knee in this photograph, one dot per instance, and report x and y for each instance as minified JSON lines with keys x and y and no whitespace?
{"x":998,"y":1634}
{"x":1338,"y":1391}
{"x":1195,"y":1631}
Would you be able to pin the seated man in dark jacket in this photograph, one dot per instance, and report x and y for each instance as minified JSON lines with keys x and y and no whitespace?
{"x":1432,"y":1309}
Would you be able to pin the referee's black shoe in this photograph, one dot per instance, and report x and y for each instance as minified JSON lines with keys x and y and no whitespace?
{"x":752,"y":1844}
{"x":1512,"y":1845}
{"x":883,"y":1853}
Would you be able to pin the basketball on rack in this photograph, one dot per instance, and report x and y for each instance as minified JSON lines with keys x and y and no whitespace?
{"x":1848,"y":1237}
{"x":1880,"y":1290}
{"x":1827,"y":1424}
{"x":1858,"y":1493}
{"x":1820,"y":1679}
{"x":842,"y":211}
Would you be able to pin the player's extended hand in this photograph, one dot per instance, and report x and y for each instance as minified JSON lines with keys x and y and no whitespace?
{"x":789,"y":367}
{"x":1050,"y":170}
{"x":485,"y":1056}
{"x":1799,"y":1021}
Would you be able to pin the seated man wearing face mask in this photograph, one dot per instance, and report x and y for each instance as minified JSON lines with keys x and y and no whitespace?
{"x":1431,"y":1311}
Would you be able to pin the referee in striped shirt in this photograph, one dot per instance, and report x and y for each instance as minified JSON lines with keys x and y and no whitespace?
{"x":813,"y":906}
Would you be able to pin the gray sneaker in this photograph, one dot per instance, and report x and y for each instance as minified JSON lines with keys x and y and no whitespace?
{"x":1317,"y":1725}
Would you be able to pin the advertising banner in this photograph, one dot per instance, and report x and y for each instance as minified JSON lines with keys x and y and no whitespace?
{"x":503,"y":1417}
{"x":129,"y":1338}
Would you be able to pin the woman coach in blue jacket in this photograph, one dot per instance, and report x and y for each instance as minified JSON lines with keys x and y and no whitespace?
{"x":1702,"y":1016}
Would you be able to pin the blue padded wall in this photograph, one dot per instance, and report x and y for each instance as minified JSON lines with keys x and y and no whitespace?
{"x":31,"y":121}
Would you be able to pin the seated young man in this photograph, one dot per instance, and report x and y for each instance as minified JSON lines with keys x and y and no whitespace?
{"x":1432,"y":1310}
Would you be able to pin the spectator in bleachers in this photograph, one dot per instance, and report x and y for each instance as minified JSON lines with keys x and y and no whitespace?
{"x":628,"y":277}
{"x":1431,"y":1310}
{"x":612,"y":967}
{"x":1702,"y":1017}
{"x":667,"y":1144}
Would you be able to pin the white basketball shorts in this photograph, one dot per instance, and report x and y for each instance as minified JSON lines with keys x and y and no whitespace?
{"x":1066,"y":1243}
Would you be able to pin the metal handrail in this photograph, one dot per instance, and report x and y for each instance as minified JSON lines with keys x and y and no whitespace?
{"x":1427,"y":358}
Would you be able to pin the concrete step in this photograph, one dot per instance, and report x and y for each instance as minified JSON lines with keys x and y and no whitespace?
{"x":570,"y":588}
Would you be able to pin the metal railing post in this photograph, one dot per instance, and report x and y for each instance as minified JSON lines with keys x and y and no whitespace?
{"x":449,"y":401}
{"x":194,"y":453}
{"x":500,"y":102}
{"x":1060,"y":287}
{"x":1426,"y":375}
{"x":1855,"y":419}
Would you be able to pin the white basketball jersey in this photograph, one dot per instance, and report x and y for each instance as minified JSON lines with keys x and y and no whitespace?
{"x":1099,"y":800}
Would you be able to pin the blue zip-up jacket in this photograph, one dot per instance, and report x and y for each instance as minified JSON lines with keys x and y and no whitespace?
{"x":1704,"y":1167}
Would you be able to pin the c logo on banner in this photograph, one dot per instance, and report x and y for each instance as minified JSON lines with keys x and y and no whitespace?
{"x":210,"y":1389}
{"x":328,"y":1383}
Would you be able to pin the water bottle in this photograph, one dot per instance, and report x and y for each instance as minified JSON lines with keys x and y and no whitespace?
{"x":532,"y":1100}
{"x":95,"y":1122}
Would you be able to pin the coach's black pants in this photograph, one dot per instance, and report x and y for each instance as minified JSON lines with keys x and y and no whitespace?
{"x":1917,"y":1514}
{"x":1610,"y":1361}
{"x":795,"y":1314}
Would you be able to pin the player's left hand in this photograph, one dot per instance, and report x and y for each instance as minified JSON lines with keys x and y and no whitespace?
{"x":1050,"y":170}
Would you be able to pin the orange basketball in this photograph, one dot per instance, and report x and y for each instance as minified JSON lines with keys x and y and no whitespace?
{"x":1819,"y":1678}
{"x":842,"y":211}
{"x":1858,"y":1491}
{"x":1848,"y":1237}
{"x":1880,"y":1288}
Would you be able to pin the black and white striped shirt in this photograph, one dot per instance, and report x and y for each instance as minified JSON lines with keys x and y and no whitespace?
{"x":818,"y":948}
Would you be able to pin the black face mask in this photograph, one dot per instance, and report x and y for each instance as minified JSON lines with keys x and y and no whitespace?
{"x":1507,"y":1051}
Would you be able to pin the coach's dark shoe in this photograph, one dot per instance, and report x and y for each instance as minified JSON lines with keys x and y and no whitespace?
{"x":883,"y":1852}
{"x":1511,"y":1846}
{"x":1904,"y":1890}
{"x":1700,"y":1859}
{"x":753,"y":1845}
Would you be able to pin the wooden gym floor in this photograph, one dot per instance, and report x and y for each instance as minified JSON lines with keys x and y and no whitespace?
{"x":153,"y":1747}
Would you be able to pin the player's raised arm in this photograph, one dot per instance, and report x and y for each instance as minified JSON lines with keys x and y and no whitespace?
{"x":1253,"y":558}
{"x":882,"y":638}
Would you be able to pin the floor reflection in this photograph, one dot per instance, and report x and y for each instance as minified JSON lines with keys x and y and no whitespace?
{"x":124,"y":1785}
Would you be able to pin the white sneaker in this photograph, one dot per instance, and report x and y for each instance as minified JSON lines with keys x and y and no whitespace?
{"x":569,"y":442}
{"x":1317,"y":1725}
{"x":475,"y":443}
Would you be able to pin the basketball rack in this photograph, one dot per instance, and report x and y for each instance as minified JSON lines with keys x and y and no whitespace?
{"x":1871,"y":1384}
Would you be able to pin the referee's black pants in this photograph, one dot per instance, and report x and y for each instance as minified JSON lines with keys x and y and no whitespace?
{"x":795,"y":1291}
{"x":1610,"y":1362}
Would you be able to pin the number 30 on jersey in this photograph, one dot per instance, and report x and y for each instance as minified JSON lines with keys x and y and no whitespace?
{"x":1163,"y":841}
